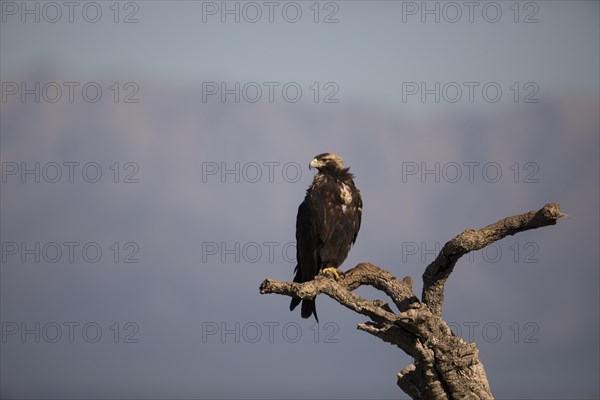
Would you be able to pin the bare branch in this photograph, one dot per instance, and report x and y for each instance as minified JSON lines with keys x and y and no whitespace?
{"x":445,"y":365}
{"x":341,"y":291}
{"x":436,"y":274}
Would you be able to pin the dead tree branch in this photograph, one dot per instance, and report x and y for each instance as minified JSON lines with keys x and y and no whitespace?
{"x":446,"y":367}
{"x":436,"y":274}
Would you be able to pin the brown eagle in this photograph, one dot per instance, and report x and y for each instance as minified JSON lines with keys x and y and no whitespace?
{"x":327,"y":224}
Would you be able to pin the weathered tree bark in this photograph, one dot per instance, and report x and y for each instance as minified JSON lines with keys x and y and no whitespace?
{"x":445,"y":366}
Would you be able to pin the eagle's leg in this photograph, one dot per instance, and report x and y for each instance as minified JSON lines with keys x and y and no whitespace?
{"x":332,"y":273}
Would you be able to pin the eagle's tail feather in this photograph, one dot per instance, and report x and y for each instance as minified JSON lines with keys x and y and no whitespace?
{"x":309,"y":308}
{"x":294,"y":303}
{"x":297,"y":278}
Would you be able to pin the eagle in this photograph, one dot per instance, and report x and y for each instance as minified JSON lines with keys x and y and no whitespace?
{"x":327,"y":224}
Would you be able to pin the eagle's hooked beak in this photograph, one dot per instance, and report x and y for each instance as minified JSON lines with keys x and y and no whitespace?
{"x":313,"y":164}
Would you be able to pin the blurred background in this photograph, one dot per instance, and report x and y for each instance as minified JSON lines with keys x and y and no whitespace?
{"x":154,"y":155}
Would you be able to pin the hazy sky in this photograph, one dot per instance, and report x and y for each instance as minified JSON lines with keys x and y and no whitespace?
{"x":155,"y":184}
{"x":368,"y":48}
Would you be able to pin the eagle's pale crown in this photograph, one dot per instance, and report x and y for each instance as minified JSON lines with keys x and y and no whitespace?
{"x":327,"y":160}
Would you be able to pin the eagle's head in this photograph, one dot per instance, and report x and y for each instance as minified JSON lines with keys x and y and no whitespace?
{"x":327,"y":162}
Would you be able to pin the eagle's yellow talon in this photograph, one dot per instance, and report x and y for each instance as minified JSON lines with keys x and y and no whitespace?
{"x":332,"y":273}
